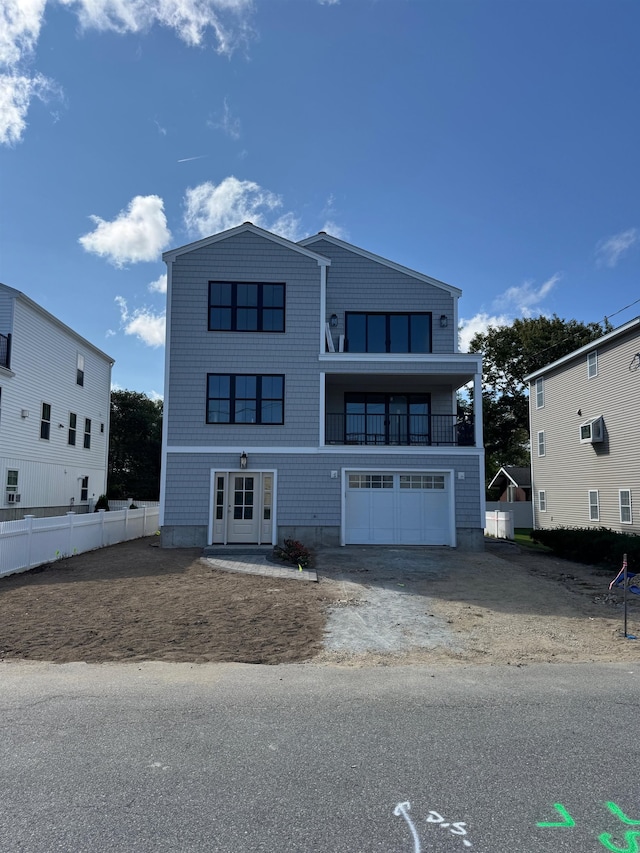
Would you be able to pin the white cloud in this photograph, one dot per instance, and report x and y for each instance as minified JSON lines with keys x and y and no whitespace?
{"x":16,"y":93}
{"x":526,"y":299}
{"x":21,"y":22}
{"x":137,"y":234}
{"x":335,"y":230}
{"x":479,"y":323}
{"x":228,"y":123}
{"x":143,"y":323}
{"x":159,"y":285}
{"x":210,"y":208}
{"x":228,"y":19}
{"x":610,"y":250}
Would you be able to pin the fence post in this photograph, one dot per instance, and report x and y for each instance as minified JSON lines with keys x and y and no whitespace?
{"x":144,"y":519}
{"x":29,"y":520}
{"x":70,"y":516}
{"x":101,"y":513}
{"x":126,"y":522}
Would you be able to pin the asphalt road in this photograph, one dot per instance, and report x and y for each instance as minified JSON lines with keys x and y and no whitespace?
{"x":170,"y":757}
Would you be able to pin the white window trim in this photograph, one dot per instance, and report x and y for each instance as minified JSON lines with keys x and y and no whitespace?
{"x":540,"y":393}
{"x":542,"y":500}
{"x":542,"y":445}
{"x":629,"y":505}
{"x":596,"y":504}
{"x":592,"y":362}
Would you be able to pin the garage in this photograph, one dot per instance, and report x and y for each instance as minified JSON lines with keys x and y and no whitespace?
{"x":398,"y":508}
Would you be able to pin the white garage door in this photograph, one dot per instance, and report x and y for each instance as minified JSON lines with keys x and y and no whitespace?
{"x":394,"y":508}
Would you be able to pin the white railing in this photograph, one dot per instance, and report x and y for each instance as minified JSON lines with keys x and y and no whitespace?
{"x":32,"y":541}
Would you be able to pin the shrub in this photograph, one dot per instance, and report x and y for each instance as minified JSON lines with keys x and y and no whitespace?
{"x":294,"y":552}
{"x":592,"y":545}
{"x":102,"y":503}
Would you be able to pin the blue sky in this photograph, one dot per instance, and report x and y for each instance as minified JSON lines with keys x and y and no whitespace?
{"x":493,"y":144}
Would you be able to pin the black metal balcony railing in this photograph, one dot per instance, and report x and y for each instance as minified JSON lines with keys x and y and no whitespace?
{"x":402,"y":430}
{"x":5,"y":350}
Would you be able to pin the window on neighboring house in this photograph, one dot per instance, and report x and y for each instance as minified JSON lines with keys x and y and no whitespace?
{"x":511,"y":493}
{"x":80,"y":370}
{"x":376,"y":332}
{"x":594,"y":505}
{"x":12,"y":486}
{"x":592,"y":364}
{"x":87,"y":433}
{"x":540,"y":393}
{"x":45,"y":421}
{"x":84,"y":489}
{"x":541,"y":443}
{"x":234,"y":398}
{"x":625,"y":506}
{"x":236,"y":306}
{"x":542,"y":500}
{"x":73,"y":420}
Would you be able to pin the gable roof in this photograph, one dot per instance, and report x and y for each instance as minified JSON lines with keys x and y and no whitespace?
{"x":172,"y":254}
{"x":322,"y":235}
{"x":610,"y":336}
{"x":19,"y":295}
{"x":515,"y":475}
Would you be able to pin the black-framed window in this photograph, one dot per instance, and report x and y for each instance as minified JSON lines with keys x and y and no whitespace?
{"x":87,"y":433}
{"x":238,"y":306}
{"x":387,"y":332}
{"x":80,"y":369}
{"x":73,"y":421}
{"x":242,"y":398}
{"x":45,"y":421}
{"x":84,"y":489}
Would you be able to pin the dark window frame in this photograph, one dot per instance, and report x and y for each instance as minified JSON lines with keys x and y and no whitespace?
{"x":73,"y":427}
{"x":259,"y":399}
{"x":87,"y":434}
{"x":388,"y":341}
{"x":388,"y":417}
{"x":45,"y":422}
{"x":234,"y":308}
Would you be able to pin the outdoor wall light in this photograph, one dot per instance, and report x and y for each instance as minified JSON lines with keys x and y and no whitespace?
{"x":444,"y":321}
{"x":333,"y":321}
{"x":243,"y":460}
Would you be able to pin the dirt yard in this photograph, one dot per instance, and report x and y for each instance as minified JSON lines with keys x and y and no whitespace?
{"x":135,"y":602}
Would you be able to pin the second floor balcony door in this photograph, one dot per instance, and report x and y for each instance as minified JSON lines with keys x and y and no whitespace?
{"x":387,"y":419}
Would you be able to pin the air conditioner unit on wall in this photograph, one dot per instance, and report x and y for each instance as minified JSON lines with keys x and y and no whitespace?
{"x":13,"y":498}
{"x":592,"y":432}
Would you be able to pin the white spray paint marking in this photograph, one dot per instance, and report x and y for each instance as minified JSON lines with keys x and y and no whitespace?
{"x":403,"y":809}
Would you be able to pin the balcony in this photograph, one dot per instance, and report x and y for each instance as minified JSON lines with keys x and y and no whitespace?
{"x":5,"y":350}
{"x":406,"y":430}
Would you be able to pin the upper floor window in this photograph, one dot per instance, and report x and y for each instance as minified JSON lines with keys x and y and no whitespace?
{"x":542,"y":448}
{"x":87,"y":433}
{"x":245,"y":399}
{"x":80,"y":370}
{"x":375,"y":332}
{"x":45,"y":421}
{"x":542,"y":500}
{"x":540,"y":393}
{"x":592,"y":364}
{"x":73,"y":420}
{"x":236,"y":306}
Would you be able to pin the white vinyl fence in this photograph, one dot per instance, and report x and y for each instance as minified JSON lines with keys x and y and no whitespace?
{"x":499,"y":525}
{"x":32,"y":541}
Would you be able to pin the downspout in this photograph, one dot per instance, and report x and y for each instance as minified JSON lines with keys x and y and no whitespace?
{"x":165,"y":403}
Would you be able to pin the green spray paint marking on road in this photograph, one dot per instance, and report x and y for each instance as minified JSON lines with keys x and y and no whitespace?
{"x":567,"y":821}
{"x":630,"y":837}
{"x":617,"y":811}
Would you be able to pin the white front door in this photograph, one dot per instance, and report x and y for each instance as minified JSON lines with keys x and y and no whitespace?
{"x":243,"y":507}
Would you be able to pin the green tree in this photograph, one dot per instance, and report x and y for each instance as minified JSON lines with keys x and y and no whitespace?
{"x":135,"y":440}
{"x":509,"y":353}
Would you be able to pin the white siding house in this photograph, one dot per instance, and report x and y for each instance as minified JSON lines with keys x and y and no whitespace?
{"x":310,"y":392}
{"x":54,"y":413}
{"x":585,"y":452}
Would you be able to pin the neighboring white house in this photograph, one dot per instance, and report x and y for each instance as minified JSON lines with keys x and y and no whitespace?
{"x":585,"y":446}
{"x":310,"y":392}
{"x":55,"y":391}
